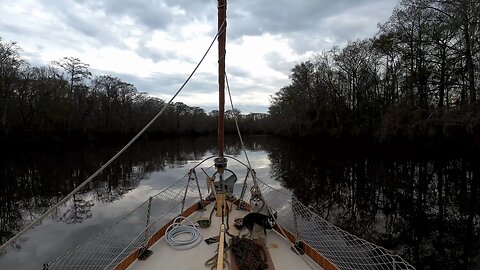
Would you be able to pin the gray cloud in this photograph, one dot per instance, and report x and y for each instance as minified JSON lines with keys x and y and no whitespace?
{"x":277,"y":62}
{"x":85,"y":25}
{"x":154,"y":54}
{"x":237,"y":71}
{"x":153,"y":15}
{"x":281,"y":16}
{"x":311,"y":24}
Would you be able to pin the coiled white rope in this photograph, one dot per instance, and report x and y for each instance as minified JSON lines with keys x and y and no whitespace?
{"x":177,"y":228}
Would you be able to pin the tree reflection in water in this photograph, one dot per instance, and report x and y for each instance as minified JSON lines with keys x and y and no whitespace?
{"x":34,"y":180}
{"x":425,"y":208}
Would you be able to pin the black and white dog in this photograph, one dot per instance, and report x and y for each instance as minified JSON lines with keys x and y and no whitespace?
{"x":264,"y":221}
{"x":256,"y":201}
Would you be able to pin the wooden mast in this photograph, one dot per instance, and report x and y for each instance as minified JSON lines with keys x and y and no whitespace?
{"x":221,"y":161}
{"x":222,"y":25}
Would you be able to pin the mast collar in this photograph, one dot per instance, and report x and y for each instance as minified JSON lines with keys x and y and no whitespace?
{"x":220,"y":162}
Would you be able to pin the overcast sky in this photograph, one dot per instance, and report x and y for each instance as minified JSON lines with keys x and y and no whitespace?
{"x":155,"y":44}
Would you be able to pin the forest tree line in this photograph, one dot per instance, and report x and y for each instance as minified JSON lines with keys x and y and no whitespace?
{"x":65,"y":100}
{"x":418,"y":78}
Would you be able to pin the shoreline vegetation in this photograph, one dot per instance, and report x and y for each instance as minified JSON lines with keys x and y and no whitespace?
{"x":416,"y":82}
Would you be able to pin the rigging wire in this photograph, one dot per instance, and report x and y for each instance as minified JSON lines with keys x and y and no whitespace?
{"x":236,"y":123}
{"x":253,"y":172}
{"x":89,"y":179}
{"x":250,"y":170}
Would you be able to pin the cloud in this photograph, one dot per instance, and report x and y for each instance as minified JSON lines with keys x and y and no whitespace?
{"x":156,"y":44}
{"x":277,"y":62}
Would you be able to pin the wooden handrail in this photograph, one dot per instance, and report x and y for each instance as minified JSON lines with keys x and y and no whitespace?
{"x":221,"y":247}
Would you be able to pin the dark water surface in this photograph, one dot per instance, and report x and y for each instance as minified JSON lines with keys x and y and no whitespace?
{"x":426,"y":208}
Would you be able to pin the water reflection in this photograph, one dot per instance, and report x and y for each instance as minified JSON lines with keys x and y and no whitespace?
{"x":34,"y":180}
{"x":425,"y":208}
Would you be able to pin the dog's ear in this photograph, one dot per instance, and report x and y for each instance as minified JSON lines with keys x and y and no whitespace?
{"x":271,"y":222}
{"x":275,"y":214}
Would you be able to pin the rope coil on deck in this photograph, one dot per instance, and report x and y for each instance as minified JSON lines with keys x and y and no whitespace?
{"x":177,"y":228}
{"x":248,"y":254}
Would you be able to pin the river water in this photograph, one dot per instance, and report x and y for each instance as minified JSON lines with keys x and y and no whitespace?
{"x":424,"y":207}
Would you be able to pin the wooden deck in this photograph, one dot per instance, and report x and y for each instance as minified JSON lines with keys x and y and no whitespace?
{"x":165,"y":257}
